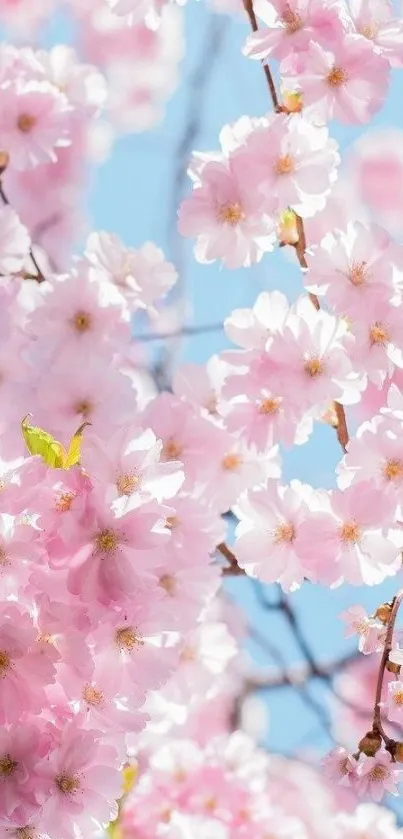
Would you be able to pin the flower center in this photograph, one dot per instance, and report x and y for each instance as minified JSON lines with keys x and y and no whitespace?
{"x":168,"y":583}
{"x":393,"y":470}
{"x":378,"y":334}
{"x":292,"y":20}
{"x":284,"y":533}
{"x":231,"y":462}
{"x":398,"y":697}
{"x":5,"y":662}
{"x":26,"y":832}
{"x":350,"y":532}
{"x":93,"y":696}
{"x":269,"y":406}
{"x":171,"y":450}
{"x":127,"y":639}
{"x":314,"y":367}
{"x":3,"y":557}
{"x":171,"y":522}
{"x":231,"y":214}
{"x":370,"y":30}
{"x":337,"y":77}
{"x":284,"y":165}
{"x":126,"y":484}
{"x":25,"y":123}
{"x":64,"y":501}
{"x":106,"y":542}
{"x":378,"y":773}
{"x":81,"y":322}
{"x":67,"y":784}
{"x":7,"y":766}
{"x":357,"y":273}
{"x":84,"y":408}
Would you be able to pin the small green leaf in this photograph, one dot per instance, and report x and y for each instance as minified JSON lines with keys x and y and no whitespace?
{"x":40,"y":442}
{"x":73,"y":455}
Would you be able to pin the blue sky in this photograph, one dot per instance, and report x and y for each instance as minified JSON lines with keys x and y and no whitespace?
{"x":133,"y":195}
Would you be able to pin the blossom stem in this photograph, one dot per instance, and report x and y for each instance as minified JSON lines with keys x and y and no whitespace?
{"x":39,"y":275}
{"x":300,"y":248}
{"x":232,"y":569}
{"x":248,"y":5}
{"x":377,"y":723}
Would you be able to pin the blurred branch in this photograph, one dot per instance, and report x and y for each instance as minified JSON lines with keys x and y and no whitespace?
{"x":184,"y":331}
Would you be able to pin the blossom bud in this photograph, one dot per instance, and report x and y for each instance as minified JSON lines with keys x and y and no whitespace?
{"x":398,"y":752}
{"x":370,"y":743}
{"x":393,"y":668}
{"x":287,"y":230}
{"x":292,"y":102}
{"x":383,"y":613}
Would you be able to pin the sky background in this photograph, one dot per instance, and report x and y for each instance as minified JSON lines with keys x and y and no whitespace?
{"x":134,"y":194}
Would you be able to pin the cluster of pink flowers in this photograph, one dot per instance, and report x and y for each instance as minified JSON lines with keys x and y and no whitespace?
{"x":113,"y":643}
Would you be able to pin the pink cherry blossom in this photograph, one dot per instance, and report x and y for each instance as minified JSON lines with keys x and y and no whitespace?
{"x":348,"y":83}
{"x":293,"y":27}
{"x":81,"y":764}
{"x":377,"y":775}
{"x":34,"y":123}
{"x":229,"y":222}
{"x":371,"y":632}
{"x":339,"y":765}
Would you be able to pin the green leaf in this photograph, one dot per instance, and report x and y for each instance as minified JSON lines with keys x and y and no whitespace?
{"x":73,"y":455}
{"x":40,"y":442}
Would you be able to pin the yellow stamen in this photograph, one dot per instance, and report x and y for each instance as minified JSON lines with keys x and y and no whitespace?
{"x":127,"y":639}
{"x":314,"y":367}
{"x":5,"y":662}
{"x":337,"y":77}
{"x":393,"y":470}
{"x":64,"y":502}
{"x":127,"y":484}
{"x":284,"y":533}
{"x":7,"y":766}
{"x":378,"y":334}
{"x":284,"y":165}
{"x":231,"y":462}
{"x":93,"y":696}
{"x":67,"y":784}
{"x":269,"y":406}
{"x":169,"y":584}
{"x":350,"y":532}
{"x":81,"y":322}
{"x":171,"y":450}
{"x":106,"y":541}
{"x":26,"y":123}
{"x":230,"y":214}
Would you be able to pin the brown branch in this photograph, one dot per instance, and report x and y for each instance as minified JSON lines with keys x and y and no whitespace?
{"x":248,"y":5}
{"x":377,"y":726}
{"x":299,"y":674}
{"x":39,"y":277}
{"x":232,"y":569}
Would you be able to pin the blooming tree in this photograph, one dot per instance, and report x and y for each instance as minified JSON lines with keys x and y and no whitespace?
{"x":127,"y":501}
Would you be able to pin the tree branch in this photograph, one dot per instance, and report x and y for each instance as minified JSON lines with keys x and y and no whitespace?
{"x":248,"y":5}
{"x":39,"y":275}
{"x":377,"y":723}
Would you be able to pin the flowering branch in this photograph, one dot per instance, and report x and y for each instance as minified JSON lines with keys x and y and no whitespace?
{"x":377,"y":726}
{"x":300,"y":245}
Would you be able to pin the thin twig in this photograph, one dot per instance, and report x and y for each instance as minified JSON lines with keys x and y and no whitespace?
{"x":232,"y":569}
{"x":377,"y":723}
{"x":248,"y":5}
{"x":178,"y":333}
{"x":39,"y":275}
